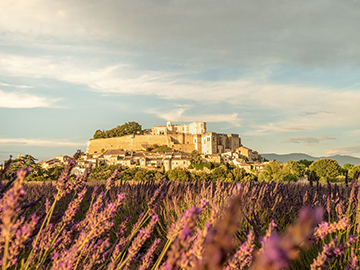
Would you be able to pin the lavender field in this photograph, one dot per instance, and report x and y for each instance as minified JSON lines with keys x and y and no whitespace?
{"x":69,"y":224}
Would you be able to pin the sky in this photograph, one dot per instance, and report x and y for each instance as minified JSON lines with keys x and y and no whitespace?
{"x":284,"y":75}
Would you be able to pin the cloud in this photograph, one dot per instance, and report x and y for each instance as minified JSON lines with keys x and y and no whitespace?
{"x":355,"y":132}
{"x":178,"y":115}
{"x":24,"y":100}
{"x":310,"y":141}
{"x":307,"y":32}
{"x":323,"y":107}
{"x":15,"y":86}
{"x":313,"y":113}
{"x":38,"y":142}
{"x":343,"y":151}
{"x":260,"y":130}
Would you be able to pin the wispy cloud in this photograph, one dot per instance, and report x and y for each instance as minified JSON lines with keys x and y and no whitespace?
{"x":310,"y":141}
{"x":15,"y":86}
{"x":179,"y":115}
{"x":24,"y":100}
{"x":343,"y":151}
{"x":281,"y":126}
{"x":298,"y":107}
{"x":38,"y":142}
{"x":313,"y":113}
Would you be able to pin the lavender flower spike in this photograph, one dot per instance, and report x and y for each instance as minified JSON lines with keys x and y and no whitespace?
{"x":110,"y":181}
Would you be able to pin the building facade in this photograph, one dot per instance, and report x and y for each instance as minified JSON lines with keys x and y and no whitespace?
{"x":185,"y":138}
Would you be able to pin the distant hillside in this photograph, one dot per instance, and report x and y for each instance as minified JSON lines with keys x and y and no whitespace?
{"x":297,"y":156}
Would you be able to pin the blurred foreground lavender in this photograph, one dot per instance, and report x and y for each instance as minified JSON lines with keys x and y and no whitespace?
{"x":177,"y":225}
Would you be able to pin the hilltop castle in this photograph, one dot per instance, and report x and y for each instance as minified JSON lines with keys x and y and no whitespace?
{"x":186,"y":138}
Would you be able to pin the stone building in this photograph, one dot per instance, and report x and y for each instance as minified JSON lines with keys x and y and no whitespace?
{"x":185,"y":138}
{"x":192,"y":128}
{"x":250,"y":154}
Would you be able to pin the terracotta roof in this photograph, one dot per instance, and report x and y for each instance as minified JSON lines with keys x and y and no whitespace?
{"x":53,"y":160}
{"x":181,"y":159}
{"x":138,"y":154}
{"x":242,"y":163}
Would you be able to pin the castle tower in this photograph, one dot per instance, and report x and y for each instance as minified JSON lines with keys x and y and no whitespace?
{"x":169,"y":126}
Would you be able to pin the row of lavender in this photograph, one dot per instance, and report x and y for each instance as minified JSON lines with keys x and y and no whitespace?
{"x":176,"y":225}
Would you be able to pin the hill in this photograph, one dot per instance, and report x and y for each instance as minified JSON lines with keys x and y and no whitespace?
{"x":298,"y":156}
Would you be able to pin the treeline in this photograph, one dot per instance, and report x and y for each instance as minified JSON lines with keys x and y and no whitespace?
{"x":37,"y":172}
{"x":321,"y":170}
{"x":221,"y":172}
{"x":290,"y":171}
{"x":119,"y":131}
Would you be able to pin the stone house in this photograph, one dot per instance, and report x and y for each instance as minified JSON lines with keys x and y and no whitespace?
{"x":63,"y":158}
{"x":250,"y":154}
{"x":242,"y":164}
{"x":216,"y":158}
{"x":51,"y":163}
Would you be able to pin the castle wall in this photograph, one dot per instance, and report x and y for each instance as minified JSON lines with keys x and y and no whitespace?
{"x":129,"y":142}
{"x":206,"y":143}
{"x":197,"y":128}
{"x":215,"y":143}
{"x":185,"y":147}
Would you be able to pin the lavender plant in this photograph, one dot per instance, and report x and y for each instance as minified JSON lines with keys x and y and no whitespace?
{"x":177,"y":225}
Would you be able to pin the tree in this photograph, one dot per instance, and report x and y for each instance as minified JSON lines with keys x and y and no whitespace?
{"x":159,"y":176}
{"x":132,"y":127}
{"x":99,"y":134}
{"x":119,"y":131}
{"x":326,"y":167}
{"x":274,"y":171}
{"x":195,"y":157}
{"x":271,"y":171}
{"x":143,"y":175}
{"x":219,"y":173}
{"x":353,"y":170}
{"x":305,"y":162}
{"x":239,"y":174}
{"x":202,"y":175}
{"x":294,"y":168}
{"x":179,"y":174}
{"x":346,"y":167}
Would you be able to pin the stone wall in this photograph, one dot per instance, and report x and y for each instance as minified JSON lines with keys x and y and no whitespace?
{"x":129,"y":142}
{"x":209,"y":143}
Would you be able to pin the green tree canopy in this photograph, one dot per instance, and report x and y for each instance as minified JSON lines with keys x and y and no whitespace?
{"x":219,"y":173}
{"x":119,"y":131}
{"x":274,"y":171}
{"x":326,"y":167}
{"x":179,"y":173}
{"x":346,"y":167}
{"x":195,"y":157}
{"x":271,"y":171}
{"x":99,"y":134}
{"x":294,"y":168}
{"x":156,"y":148}
{"x":144,"y":175}
{"x":305,"y":162}
{"x":239,"y":174}
{"x":353,"y":170}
